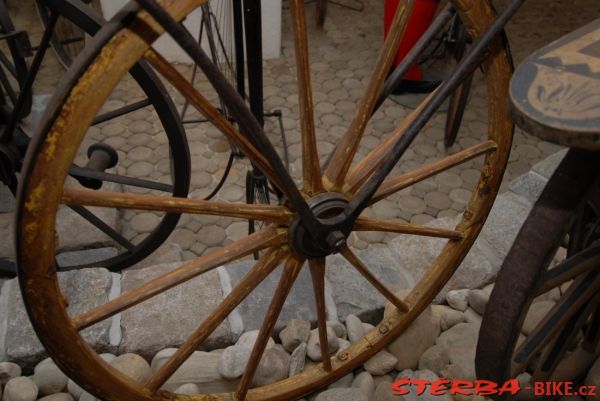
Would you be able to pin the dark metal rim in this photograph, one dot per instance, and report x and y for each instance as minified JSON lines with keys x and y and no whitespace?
{"x":147,"y":80}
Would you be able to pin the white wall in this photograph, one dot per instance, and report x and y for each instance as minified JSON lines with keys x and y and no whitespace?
{"x":271,"y":29}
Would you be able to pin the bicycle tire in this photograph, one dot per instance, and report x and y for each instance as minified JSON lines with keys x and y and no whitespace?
{"x":83,"y":17}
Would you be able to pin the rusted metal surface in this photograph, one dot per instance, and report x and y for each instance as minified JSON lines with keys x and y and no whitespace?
{"x":524,"y":267}
{"x":61,"y":134}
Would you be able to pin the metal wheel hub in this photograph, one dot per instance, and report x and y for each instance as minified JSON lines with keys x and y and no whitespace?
{"x":325,"y":206}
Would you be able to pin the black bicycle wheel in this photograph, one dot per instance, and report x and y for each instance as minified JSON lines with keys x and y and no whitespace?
{"x":13,"y":70}
{"x":158,"y":99}
{"x":68,"y":39}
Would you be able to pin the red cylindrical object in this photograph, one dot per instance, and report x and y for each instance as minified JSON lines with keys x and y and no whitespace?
{"x":419,"y":21}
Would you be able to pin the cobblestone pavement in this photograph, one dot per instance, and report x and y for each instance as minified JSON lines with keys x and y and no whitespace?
{"x":342,"y":55}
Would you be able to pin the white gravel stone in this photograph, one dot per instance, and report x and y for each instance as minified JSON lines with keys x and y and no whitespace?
{"x":418,"y":337}
{"x":354,"y":328}
{"x":233,"y":361}
{"x":8,"y":370}
{"x":339,"y":328}
{"x":365,"y":383}
{"x":273,"y":367}
{"x":341,"y":394}
{"x":343,"y":345}
{"x":133,"y":366}
{"x":536,"y":313}
{"x":448,"y":316}
{"x":313,"y":347}
{"x":297,"y":360}
{"x":343,"y":382}
{"x":458,"y":299}
{"x":57,"y":397}
{"x":472,"y":317}
{"x":187,"y":389}
{"x":49,"y":378}
{"x":249,"y":338}
{"x":368,"y":327}
{"x":20,"y":389}
{"x":478,"y":300}
{"x":435,"y":359}
{"x":295,"y":333}
{"x":381,"y":363}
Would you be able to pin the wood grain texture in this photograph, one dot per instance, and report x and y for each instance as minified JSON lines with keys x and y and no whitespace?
{"x":555,"y":92}
{"x":366,"y":273}
{"x":317,"y":274}
{"x":395,"y":184}
{"x":311,"y":168}
{"x":290,"y":272}
{"x":266,"y":264}
{"x":368,"y":224}
{"x":122,"y":200}
{"x":228,"y":253}
{"x":344,"y":152}
{"x":210,"y":112}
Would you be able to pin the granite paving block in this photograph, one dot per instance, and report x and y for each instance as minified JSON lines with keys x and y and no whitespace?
{"x":169,"y":318}
{"x":83,"y":290}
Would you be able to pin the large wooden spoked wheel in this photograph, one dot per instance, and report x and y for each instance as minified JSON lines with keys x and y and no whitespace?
{"x":285,"y":241}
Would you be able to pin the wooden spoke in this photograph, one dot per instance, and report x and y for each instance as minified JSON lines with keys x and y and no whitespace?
{"x":288,"y":277}
{"x":86,"y":197}
{"x":344,"y":153}
{"x":374,"y":159}
{"x":311,"y":169}
{"x":228,"y":253}
{"x":576,"y":265}
{"x":362,"y":269}
{"x":395,"y":184}
{"x":211,"y":113}
{"x":246,"y":285}
{"x":366,"y":224}
{"x":317,"y":274}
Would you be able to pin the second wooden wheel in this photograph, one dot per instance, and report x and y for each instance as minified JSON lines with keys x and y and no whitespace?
{"x":311,"y":222}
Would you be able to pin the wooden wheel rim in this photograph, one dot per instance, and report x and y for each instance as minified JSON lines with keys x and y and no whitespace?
{"x":41,"y":194}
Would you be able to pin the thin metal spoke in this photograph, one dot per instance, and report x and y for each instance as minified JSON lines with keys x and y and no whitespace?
{"x":246,"y":285}
{"x":277,"y":214}
{"x":311,"y":168}
{"x":362,"y":269}
{"x":367,"y":224}
{"x":576,"y":265}
{"x":288,"y":277}
{"x":228,"y":253}
{"x":317,"y":274}
{"x":102,"y":226}
{"x":82,"y":172}
{"x":576,"y":296}
{"x":344,"y":153}
{"x":121,"y":111}
{"x":565,"y":340}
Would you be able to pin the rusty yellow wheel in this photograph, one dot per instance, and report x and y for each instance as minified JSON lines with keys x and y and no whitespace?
{"x":311,"y":222}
